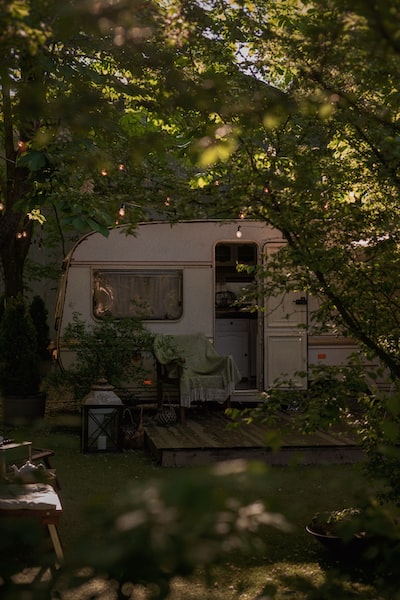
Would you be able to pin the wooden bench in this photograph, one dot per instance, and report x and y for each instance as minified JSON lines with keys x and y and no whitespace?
{"x":38,"y":500}
{"x":34,"y":501}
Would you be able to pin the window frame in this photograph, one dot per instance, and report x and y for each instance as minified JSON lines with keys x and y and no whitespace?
{"x":147,"y":273}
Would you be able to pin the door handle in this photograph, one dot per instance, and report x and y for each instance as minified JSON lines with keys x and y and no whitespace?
{"x":300,"y":301}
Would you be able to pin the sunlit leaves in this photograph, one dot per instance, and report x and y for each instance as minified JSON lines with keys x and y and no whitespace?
{"x":36,"y":215}
{"x":201,"y":181}
{"x":180,"y":94}
{"x":217,"y":148}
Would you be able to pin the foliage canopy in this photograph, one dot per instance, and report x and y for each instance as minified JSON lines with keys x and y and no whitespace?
{"x":286,"y":112}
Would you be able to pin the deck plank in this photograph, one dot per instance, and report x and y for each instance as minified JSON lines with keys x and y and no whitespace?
{"x":208,"y":437}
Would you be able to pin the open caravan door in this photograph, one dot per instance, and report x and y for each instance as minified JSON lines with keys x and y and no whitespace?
{"x":285,"y":337}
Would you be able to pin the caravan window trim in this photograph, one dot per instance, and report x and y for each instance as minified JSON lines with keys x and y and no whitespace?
{"x":147,"y":294}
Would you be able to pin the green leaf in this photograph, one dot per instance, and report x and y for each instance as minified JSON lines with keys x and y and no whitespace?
{"x":96,"y":226}
{"x":34,"y":160}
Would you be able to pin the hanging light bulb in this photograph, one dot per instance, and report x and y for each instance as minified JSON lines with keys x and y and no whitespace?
{"x":239,"y":232}
{"x":21,"y":146}
{"x":1,"y":206}
{"x":122,"y":211}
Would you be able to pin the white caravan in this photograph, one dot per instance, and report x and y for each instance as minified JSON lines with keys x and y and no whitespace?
{"x":184,"y":277}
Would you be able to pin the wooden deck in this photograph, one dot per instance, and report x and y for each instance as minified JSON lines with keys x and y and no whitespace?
{"x":209,"y":437}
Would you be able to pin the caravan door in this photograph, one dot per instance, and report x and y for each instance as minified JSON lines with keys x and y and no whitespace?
{"x":236,"y":325}
{"x":285,"y":337}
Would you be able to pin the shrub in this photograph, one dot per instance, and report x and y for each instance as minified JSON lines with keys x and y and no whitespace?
{"x":19,"y":357}
{"x":112,"y":349}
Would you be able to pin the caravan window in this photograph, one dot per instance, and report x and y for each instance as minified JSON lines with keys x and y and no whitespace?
{"x":150,"y":294}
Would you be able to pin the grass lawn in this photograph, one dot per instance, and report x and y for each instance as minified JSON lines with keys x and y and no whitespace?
{"x":292,"y":563}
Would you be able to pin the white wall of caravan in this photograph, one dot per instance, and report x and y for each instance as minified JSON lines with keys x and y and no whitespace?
{"x":188,"y":246}
{"x":282,"y":344}
{"x":78,"y":298}
{"x":198,"y":304}
{"x":153,"y":242}
{"x":198,"y":299}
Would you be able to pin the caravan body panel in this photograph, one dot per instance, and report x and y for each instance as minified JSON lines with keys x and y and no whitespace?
{"x":199,"y":257}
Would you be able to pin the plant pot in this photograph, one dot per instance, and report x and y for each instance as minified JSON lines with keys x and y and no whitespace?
{"x":335,"y":544}
{"x":20,"y":410}
{"x":341,"y":532}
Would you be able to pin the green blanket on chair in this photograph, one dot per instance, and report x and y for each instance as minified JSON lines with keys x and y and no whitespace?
{"x":205,"y":375}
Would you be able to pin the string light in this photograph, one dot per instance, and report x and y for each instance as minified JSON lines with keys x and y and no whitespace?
{"x":21,"y":146}
{"x":1,"y":206}
{"x":122,"y":210}
{"x":239,"y":232}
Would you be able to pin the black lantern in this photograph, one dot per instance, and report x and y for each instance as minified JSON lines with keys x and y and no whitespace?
{"x":102,"y":417}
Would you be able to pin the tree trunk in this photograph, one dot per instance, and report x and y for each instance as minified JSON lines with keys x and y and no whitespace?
{"x":15,"y":236}
{"x":15,"y":226}
{"x":12,"y":256}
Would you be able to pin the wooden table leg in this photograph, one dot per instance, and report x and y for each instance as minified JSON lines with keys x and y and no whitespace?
{"x":56,"y":541}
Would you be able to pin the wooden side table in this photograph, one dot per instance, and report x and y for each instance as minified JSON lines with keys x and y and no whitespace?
{"x":37,"y":501}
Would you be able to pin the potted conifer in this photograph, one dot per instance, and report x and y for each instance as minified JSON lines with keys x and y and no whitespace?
{"x":20,"y":378}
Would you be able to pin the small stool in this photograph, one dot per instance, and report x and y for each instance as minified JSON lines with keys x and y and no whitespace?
{"x":44,"y":454}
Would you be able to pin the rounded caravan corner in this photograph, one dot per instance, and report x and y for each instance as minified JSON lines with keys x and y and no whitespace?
{"x":63,"y":356}
{"x":65,"y":267}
